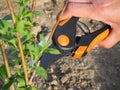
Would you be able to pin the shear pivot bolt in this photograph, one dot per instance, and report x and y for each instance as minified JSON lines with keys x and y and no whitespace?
{"x":63,"y":40}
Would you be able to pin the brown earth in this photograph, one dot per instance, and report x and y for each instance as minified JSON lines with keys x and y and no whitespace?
{"x":99,"y":70}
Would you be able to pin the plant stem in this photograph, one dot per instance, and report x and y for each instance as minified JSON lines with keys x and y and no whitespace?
{"x":33,"y":74}
{"x":33,"y":10}
{"x":13,"y":19}
{"x":33,"y":5}
{"x":6,"y":63}
{"x":11,"y":10}
{"x":5,"y":60}
{"x":23,"y":59}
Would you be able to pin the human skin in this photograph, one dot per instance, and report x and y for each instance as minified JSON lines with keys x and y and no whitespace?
{"x":107,"y":11}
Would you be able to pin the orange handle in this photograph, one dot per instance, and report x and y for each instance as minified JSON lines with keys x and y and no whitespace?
{"x":79,"y":52}
{"x":86,"y":48}
{"x":98,"y":39}
{"x":61,"y":23}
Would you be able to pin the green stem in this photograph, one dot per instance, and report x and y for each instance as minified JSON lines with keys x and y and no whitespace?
{"x":23,"y":59}
{"x":33,"y":74}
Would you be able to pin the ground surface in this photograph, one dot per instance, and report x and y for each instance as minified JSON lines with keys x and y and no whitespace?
{"x":99,"y":70}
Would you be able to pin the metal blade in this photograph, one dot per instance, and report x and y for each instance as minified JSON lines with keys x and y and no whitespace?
{"x":49,"y":59}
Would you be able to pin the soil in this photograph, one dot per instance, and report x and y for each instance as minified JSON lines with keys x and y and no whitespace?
{"x":98,"y":70}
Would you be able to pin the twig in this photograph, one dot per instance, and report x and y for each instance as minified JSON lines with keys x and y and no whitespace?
{"x":2,"y":47}
{"x":23,"y":59}
{"x":19,"y":42}
{"x":5,"y":60}
{"x":33,"y":9}
{"x":33,"y":5}
{"x":33,"y":74}
{"x":54,"y":28}
{"x":11,"y":10}
{"x":6,"y":63}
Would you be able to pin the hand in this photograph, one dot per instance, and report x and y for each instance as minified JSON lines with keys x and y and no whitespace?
{"x":107,"y":11}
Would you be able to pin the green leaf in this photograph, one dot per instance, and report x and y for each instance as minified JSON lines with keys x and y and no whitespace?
{"x":37,"y":13}
{"x":26,"y":88}
{"x":25,"y":2}
{"x":18,"y":71}
{"x":42,"y":39}
{"x":45,"y":46}
{"x":20,"y":26}
{"x":21,"y":88}
{"x":3,"y":73}
{"x":41,"y":71}
{"x":5,"y":27}
{"x":52,"y":51}
{"x":26,"y":36}
{"x":31,"y":88}
{"x":34,"y":51}
{"x":17,"y":17}
{"x":28,"y":15}
{"x":21,"y":81}
{"x":9,"y":83}
{"x":21,"y":10}
{"x":28,"y":23}
{"x":13,"y":42}
{"x":7,"y":17}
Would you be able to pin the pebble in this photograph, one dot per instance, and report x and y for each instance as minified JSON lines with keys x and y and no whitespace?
{"x":70,"y":89}
{"x":49,"y":88}
{"x":54,"y":82}
{"x":84,"y":84}
{"x":64,"y":79}
{"x":56,"y":88}
{"x":54,"y":76}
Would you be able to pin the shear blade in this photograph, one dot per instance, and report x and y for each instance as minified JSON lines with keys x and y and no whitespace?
{"x":48,"y":59}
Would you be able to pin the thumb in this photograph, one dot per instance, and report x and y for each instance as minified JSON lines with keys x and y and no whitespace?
{"x":81,"y":9}
{"x":112,"y":39}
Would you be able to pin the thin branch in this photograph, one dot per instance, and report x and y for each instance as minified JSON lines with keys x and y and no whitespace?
{"x":11,"y":10}
{"x":19,"y":42}
{"x":33,"y":5}
{"x":6,"y":63}
{"x":54,"y":28}
{"x":33,"y":9}
{"x":5,"y":60}
{"x":23,"y":59}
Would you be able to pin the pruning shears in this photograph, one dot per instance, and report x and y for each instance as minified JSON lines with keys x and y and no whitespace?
{"x":65,"y":40}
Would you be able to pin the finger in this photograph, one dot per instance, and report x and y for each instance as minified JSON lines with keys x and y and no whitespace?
{"x":111,"y":40}
{"x":80,"y":9}
{"x":79,"y":0}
